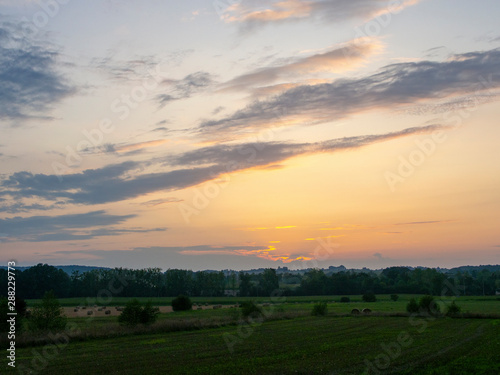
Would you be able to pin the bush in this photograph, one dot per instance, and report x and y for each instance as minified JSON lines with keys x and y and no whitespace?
{"x":48,"y":315}
{"x":320,"y":308}
{"x":345,"y":299}
{"x":182,"y":303}
{"x":131,"y":314}
{"x":453,"y":309}
{"x":134,"y":313}
{"x":369,"y":297}
{"x":249,"y":307}
{"x":428,"y":305}
{"x":412,"y":306}
{"x":394,"y":297}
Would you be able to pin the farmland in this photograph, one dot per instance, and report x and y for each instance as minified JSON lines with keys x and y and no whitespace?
{"x":288,"y":340}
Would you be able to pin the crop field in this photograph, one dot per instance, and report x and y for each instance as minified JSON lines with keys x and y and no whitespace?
{"x":288,"y":340}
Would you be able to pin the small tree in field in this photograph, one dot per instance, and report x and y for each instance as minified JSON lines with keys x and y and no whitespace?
{"x":181,"y":303}
{"x":453,"y":309}
{"x":149,"y":314}
{"x":412,"y":306}
{"x":320,"y":308}
{"x":134,"y":313}
{"x":427,"y":305}
{"x":131,"y":314}
{"x":369,"y":297}
{"x":48,"y":315}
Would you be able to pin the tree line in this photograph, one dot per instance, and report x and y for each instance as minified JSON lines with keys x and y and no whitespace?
{"x":33,"y":282}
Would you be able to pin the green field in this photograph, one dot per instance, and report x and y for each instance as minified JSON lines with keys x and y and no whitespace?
{"x":290,"y":340}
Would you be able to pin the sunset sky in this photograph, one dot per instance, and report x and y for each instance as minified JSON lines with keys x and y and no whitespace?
{"x":207,"y":134}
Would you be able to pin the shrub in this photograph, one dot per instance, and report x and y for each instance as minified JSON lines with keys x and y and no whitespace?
{"x":134,"y":313}
{"x":369,"y":297}
{"x":182,"y":303}
{"x":412,"y":306}
{"x":394,"y":297}
{"x":320,"y":308}
{"x":453,"y":309}
{"x":48,"y":315}
{"x":131,"y":314}
{"x":345,"y":299}
{"x":428,"y":305}
{"x":149,"y":314}
{"x":249,"y":307}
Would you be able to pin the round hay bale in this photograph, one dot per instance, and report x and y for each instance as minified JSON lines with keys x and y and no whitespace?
{"x":200,"y":308}
{"x":367,"y":311}
{"x":99,"y":309}
{"x":75,"y":310}
{"x":90,"y":312}
{"x":84,"y":307}
{"x":107,"y":312}
{"x":355,"y":311}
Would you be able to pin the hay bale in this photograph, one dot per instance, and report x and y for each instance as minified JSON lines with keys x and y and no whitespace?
{"x":366,"y":311}
{"x":355,"y":311}
{"x":75,"y":310}
{"x":84,"y":307}
{"x":200,"y":308}
{"x":90,"y":312}
{"x":107,"y":312}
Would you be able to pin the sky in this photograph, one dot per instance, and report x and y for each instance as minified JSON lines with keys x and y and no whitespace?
{"x":237,"y":134}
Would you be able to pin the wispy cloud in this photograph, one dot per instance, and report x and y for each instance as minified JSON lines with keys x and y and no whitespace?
{"x":425,"y":222}
{"x":30,"y":83}
{"x":67,"y":227}
{"x":252,"y":14}
{"x":177,"y":89}
{"x":394,"y":86}
{"x":120,"y":182}
{"x":339,"y":59}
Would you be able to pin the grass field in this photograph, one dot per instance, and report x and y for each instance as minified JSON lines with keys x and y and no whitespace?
{"x":289,"y":341}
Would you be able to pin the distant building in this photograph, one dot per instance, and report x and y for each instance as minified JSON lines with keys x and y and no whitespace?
{"x":230,"y":293}
{"x":497,"y":292}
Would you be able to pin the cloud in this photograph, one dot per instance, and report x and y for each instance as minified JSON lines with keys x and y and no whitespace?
{"x":184,"y":88}
{"x":66,"y":227}
{"x":336,"y":60}
{"x":425,"y":222}
{"x":125,"y":148}
{"x":120,"y":182}
{"x":394,"y":86}
{"x":30,"y":84}
{"x":158,"y":202}
{"x":252,"y":14}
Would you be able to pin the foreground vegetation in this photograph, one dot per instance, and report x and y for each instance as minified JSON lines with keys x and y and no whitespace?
{"x":284,"y":338}
{"x":340,"y":345}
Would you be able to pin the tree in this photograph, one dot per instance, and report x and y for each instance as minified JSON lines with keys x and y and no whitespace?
{"x":369,"y":297}
{"x":427,"y":305}
{"x":149,"y":314}
{"x":48,"y":315}
{"x":250,"y":308}
{"x":245,"y":284}
{"x":412,"y":306}
{"x":181,"y":303}
{"x":320,"y":308}
{"x":134,"y":313}
{"x":453,"y":309}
